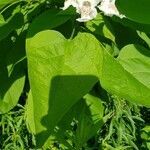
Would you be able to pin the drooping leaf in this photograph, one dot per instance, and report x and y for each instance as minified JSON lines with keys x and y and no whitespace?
{"x":136,"y":10}
{"x":12,"y":75}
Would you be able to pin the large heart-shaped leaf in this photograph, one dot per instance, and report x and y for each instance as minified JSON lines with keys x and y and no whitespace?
{"x":65,"y":70}
{"x":62,"y":71}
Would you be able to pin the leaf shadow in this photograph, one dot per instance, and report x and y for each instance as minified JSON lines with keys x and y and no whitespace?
{"x":68,"y":88}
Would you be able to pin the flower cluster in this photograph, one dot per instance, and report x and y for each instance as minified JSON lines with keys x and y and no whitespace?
{"x":87,"y":8}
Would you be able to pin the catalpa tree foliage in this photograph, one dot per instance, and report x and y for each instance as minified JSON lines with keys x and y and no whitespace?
{"x":81,"y":70}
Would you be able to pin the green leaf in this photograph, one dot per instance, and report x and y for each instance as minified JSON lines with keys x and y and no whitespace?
{"x":14,"y":22}
{"x":132,"y":24}
{"x":3,"y":3}
{"x":145,"y":133}
{"x":12,"y":76}
{"x":29,"y":113}
{"x":136,"y":10}
{"x":90,"y":120}
{"x":88,"y":113}
{"x":145,"y":37}
{"x":136,"y":60}
{"x":62,"y":73}
{"x":116,"y":80}
{"x":49,"y":20}
{"x":99,"y":26}
{"x":2,"y":21}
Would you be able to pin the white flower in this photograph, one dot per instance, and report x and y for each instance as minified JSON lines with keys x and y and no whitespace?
{"x":86,"y":8}
{"x":109,"y":8}
{"x":70,"y":3}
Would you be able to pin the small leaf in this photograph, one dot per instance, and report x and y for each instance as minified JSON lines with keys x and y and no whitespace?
{"x":2,"y":21}
{"x":90,"y":120}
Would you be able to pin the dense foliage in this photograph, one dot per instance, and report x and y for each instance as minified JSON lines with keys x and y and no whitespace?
{"x":75,"y":75}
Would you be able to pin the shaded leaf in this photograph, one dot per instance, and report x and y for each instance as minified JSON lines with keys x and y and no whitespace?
{"x":12,"y":75}
{"x":3,"y":3}
{"x":50,"y":19}
{"x":14,"y":22}
{"x":140,"y":13}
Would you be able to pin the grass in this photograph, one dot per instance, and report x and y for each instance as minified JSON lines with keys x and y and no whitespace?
{"x":121,"y":131}
{"x":13,"y":131}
